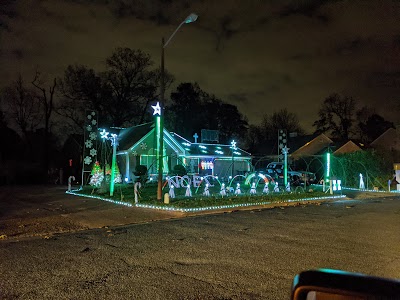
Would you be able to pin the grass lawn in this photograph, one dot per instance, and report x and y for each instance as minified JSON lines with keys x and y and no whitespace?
{"x":148,"y":197}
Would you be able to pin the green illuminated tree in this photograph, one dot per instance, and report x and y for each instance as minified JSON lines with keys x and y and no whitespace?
{"x":96,"y":175}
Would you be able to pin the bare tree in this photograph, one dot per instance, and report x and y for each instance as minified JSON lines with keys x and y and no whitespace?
{"x":282,"y":119}
{"x":46,"y":99}
{"x":23,"y":106}
{"x":80,"y":89}
{"x":336,"y":116}
{"x":130,"y":84}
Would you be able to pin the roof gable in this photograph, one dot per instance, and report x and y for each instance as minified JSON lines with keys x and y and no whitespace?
{"x":314,"y":146}
{"x":130,"y":136}
{"x":348,"y":147}
{"x":386,"y":137}
{"x":140,"y":139}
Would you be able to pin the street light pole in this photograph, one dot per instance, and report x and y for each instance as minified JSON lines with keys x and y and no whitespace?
{"x":189,"y":19}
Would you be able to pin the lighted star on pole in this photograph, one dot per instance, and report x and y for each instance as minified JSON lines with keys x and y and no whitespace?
{"x":104,"y":134}
{"x":157,"y":109}
{"x":233,"y":144}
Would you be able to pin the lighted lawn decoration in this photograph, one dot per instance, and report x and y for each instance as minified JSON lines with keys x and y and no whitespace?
{"x":253,"y":190}
{"x":114,"y":143}
{"x":96,"y":175}
{"x":209,"y":185}
{"x":362,"y":186}
{"x":136,"y":190}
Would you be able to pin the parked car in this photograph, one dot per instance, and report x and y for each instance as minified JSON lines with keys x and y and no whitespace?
{"x":295,"y":177}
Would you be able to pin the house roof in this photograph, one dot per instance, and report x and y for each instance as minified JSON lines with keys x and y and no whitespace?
{"x":348,"y":147}
{"x":390,"y":136}
{"x":203,"y":149}
{"x":313,"y":146}
{"x":129,"y":136}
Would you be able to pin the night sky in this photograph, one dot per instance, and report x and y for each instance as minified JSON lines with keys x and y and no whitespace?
{"x":260,"y":57}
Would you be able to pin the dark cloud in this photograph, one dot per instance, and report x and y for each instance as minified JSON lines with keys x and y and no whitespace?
{"x":309,"y":8}
{"x":18,"y":53}
{"x":259,"y":55}
{"x":354,"y":46}
{"x":8,"y":11}
{"x":238,"y":98}
{"x":384,"y":80}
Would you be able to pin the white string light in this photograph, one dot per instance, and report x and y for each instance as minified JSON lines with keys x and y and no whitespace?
{"x":195,"y":209}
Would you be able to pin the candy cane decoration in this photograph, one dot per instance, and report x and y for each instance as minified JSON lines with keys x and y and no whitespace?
{"x":137,"y":186}
{"x":70,"y":179}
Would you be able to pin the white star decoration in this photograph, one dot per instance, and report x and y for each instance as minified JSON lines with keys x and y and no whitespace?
{"x":233,"y":144}
{"x":157,"y":109}
{"x":104,"y":134}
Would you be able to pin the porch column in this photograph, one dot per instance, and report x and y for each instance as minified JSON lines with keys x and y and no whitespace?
{"x":127,"y":167}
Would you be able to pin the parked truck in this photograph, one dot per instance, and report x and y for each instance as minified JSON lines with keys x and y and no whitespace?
{"x":295,"y":177}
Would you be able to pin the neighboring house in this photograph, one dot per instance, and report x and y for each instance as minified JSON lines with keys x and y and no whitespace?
{"x":313,"y":147}
{"x":348,"y":147}
{"x":138,"y":146}
{"x":389,"y":141}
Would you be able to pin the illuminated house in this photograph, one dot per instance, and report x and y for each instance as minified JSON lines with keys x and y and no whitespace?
{"x":138,"y":146}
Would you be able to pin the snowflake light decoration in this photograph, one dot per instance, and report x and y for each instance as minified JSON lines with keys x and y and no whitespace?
{"x":88,"y":144}
{"x":134,"y":153}
{"x":92,"y":135}
{"x":87,"y":160}
{"x":93,"y":152}
{"x":93,"y":113}
{"x":89,"y":117}
{"x":143,"y":146}
{"x":89,"y":128}
{"x":94,"y":122}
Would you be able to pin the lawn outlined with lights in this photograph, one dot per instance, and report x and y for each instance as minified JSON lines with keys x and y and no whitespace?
{"x":124,"y":195}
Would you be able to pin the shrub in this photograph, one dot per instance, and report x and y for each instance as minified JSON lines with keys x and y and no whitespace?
{"x":179,"y":170}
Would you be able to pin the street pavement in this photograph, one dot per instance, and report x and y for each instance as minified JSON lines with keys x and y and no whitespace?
{"x":250,"y":254}
{"x":41,"y":211}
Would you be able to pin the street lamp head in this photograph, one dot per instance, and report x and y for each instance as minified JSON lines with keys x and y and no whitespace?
{"x":191,"y":18}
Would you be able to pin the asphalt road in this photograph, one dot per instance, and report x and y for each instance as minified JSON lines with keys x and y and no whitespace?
{"x":237,"y":255}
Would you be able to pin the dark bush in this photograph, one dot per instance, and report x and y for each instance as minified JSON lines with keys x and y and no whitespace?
{"x":179,"y":170}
